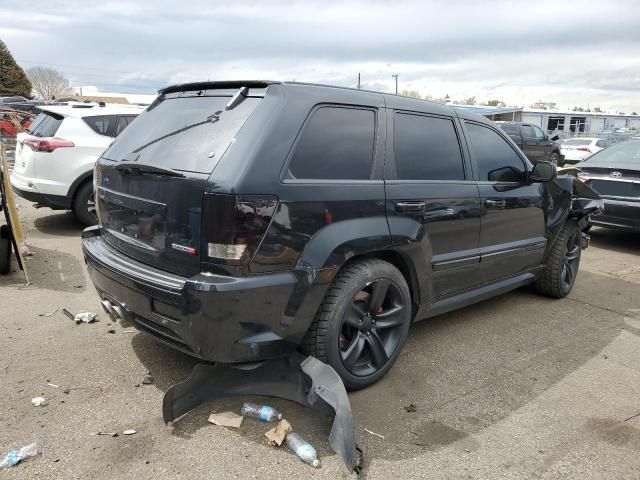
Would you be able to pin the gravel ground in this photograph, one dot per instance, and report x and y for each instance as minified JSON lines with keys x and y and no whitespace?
{"x":519,"y":386}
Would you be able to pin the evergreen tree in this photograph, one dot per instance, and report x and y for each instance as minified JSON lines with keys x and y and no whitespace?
{"x":13,"y":80}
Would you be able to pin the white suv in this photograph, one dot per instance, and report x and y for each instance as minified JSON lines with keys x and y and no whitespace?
{"x":54,"y":158}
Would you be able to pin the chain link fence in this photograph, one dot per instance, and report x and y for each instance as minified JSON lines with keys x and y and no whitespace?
{"x":12,"y":122}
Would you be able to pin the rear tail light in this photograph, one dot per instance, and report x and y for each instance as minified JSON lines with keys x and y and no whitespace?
{"x":584,"y":149}
{"x":47,"y":144}
{"x":233,"y":226}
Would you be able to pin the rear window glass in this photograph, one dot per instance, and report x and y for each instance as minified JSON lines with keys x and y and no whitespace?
{"x":426,"y":148}
{"x":627,"y":153}
{"x":337,"y":143}
{"x":577,"y":142}
{"x":102,"y":124}
{"x":45,"y":125}
{"x":189,"y":133}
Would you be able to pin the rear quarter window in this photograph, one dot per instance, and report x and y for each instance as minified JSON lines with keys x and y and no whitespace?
{"x":337,"y":143}
{"x":102,"y":124}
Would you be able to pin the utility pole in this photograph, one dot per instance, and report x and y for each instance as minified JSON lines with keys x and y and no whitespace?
{"x":358,"y":80}
{"x":395,"y":75}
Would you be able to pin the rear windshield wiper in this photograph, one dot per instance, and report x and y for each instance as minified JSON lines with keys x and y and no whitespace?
{"x":213,"y":118}
{"x":134,"y":167}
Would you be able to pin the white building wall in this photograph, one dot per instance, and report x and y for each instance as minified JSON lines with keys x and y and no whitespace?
{"x":534,"y":118}
{"x":595,"y":124}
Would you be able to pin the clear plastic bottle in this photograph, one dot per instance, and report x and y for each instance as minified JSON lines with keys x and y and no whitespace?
{"x":303,"y":449}
{"x":14,"y":457}
{"x":263,"y":412}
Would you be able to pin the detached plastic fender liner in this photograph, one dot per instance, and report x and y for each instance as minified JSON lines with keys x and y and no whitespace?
{"x":304,"y":380}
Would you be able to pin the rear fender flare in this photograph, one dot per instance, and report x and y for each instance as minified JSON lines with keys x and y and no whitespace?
{"x":333,"y":245}
{"x":327,"y":250}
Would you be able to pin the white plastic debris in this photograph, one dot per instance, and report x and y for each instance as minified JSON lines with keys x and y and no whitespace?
{"x":39,"y":401}
{"x":129,"y":432}
{"x":14,"y":457}
{"x":86,"y":317}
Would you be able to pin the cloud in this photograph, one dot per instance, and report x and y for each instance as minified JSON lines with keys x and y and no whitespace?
{"x":520,"y":51}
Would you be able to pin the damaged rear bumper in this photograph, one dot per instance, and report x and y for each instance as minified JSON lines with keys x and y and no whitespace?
{"x":213,"y":317}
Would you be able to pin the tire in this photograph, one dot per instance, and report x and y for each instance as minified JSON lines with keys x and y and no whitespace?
{"x":347,"y":331}
{"x":559,"y":275}
{"x":555,"y":159}
{"x":5,"y":250}
{"x":84,"y":206}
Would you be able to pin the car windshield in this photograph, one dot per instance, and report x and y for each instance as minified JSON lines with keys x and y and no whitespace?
{"x":577,"y":141}
{"x":627,"y":153}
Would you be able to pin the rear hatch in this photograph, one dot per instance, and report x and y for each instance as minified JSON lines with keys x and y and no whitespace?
{"x":29,"y":143}
{"x":151,"y":181}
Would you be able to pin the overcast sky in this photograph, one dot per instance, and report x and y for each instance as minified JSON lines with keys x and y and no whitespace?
{"x":570,"y":52}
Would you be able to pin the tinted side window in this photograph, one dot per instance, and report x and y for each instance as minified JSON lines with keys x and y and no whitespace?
{"x":336,"y":143}
{"x":123,"y":122}
{"x":102,"y":124}
{"x":495,"y":160}
{"x":426,"y":148}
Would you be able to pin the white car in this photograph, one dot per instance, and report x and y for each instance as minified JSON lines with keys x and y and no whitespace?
{"x":577,"y":149}
{"x":54,"y":158}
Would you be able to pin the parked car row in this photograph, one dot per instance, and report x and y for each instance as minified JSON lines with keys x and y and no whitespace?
{"x":247,"y":187}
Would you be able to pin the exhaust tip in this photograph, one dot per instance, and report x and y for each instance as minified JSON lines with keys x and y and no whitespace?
{"x":118,"y":313}
{"x":107,"y":306}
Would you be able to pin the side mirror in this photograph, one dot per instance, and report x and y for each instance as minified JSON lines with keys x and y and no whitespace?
{"x":543,"y":172}
{"x":555,"y":138}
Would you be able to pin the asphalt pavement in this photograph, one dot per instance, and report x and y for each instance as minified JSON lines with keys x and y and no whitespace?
{"x":520,"y":386}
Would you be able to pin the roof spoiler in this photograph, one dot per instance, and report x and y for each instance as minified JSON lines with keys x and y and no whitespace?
{"x":182,"y":87}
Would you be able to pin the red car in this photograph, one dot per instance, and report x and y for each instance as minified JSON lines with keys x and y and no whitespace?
{"x":8,"y":122}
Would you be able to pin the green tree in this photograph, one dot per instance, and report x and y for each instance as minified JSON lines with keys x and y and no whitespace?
{"x":634,"y":113}
{"x":597,"y":109}
{"x":13,"y":80}
{"x":469,"y":101}
{"x":495,"y":103}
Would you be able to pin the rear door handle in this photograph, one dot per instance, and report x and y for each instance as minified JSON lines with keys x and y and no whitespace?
{"x":409,"y":206}
{"x":495,"y":203}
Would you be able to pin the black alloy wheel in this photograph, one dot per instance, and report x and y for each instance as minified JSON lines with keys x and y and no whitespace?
{"x":362,"y":323}
{"x":372,"y":327}
{"x":571,"y":261}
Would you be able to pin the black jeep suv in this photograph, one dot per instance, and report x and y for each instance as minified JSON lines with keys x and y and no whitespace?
{"x":240,"y":221}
